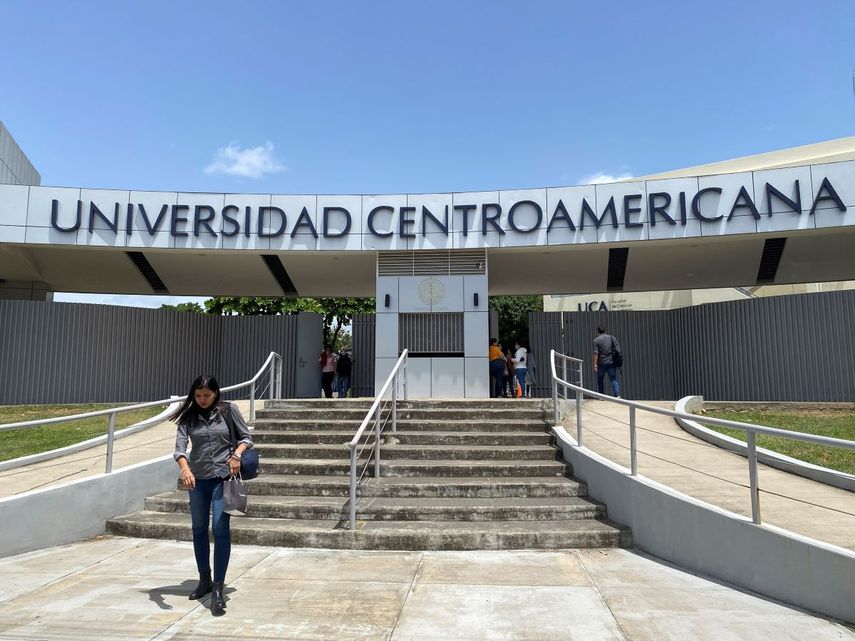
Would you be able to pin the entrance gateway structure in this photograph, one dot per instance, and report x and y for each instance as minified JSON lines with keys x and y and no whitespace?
{"x":432,"y":260}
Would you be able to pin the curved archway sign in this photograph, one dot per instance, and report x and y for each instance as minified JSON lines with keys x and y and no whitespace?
{"x":635,"y":235}
{"x":491,"y":215}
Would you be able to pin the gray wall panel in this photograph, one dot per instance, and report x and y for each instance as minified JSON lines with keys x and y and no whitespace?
{"x":68,"y":353}
{"x":785,"y":348}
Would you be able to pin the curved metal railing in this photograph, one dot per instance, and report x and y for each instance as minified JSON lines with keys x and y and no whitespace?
{"x":273,"y":365}
{"x":750,"y":430}
{"x":398,"y":373}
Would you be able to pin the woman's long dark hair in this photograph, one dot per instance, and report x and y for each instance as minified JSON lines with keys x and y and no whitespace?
{"x":189,"y":410}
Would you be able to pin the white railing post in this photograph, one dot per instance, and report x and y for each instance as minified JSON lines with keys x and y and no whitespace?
{"x":579,"y":418}
{"x":352,"y":486}
{"x":395,"y":405}
{"x":564,"y":373}
{"x":111,"y":433}
{"x":633,"y":448}
{"x":252,"y":401}
{"x":377,"y":443}
{"x":752,"y":476}
{"x":272,"y":379}
{"x":281,"y":376}
{"x":405,"y":380}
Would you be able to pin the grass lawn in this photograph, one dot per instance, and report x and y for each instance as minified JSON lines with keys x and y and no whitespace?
{"x":33,"y":440}
{"x":833,"y":423}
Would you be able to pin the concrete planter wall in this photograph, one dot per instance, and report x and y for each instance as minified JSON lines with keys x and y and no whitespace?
{"x":79,"y":509}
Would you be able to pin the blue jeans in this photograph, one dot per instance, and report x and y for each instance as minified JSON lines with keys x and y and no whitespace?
{"x":207,"y":494}
{"x":520,"y":374}
{"x":497,"y":372}
{"x":611,"y":370}
{"x":342,"y":385}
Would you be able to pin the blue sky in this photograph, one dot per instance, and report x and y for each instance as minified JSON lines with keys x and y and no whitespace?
{"x":398,"y":97}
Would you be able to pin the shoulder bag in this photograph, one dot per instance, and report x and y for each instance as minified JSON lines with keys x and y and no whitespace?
{"x":249,"y":458}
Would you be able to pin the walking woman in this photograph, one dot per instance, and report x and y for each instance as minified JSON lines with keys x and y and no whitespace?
{"x":204,"y":419}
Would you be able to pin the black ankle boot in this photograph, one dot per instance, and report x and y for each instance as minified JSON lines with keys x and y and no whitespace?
{"x":204,"y":586}
{"x":218,"y":602}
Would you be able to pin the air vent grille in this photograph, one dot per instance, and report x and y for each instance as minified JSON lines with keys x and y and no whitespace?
{"x":432,"y":262}
{"x":439,"y":333}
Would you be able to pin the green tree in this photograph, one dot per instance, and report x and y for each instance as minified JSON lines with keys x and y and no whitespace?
{"x":259,"y":306}
{"x":337,"y":312}
{"x":513,"y":316}
{"x":196,"y":308}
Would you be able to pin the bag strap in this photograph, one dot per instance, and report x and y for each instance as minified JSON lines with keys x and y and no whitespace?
{"x":230,"y":421}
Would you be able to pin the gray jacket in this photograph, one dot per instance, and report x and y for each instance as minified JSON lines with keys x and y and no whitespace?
{"x":211,"y":442}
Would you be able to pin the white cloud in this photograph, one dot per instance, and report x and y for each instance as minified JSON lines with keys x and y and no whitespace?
{"x":125,"y":300}
{"x":601,"y":177}
{"x":252,"y":162}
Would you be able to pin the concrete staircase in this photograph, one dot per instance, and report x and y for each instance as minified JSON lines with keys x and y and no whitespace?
{"x":457,"y":475}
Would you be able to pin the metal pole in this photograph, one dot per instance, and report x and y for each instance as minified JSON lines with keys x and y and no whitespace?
{"x":564,"y":373}
{"x":281,"y":375}
{"x":554,"y":401}
{"x":111,"y":431}
{"x":405,"y":381}
{"x":352,"y":486}
{"x":377,"y":443}
{"x":395,"y":403}
{"x":252,"y":401}
{"x":752,"y":477}
{"x":632,"y":443}
{"x":579,"y":418}
{"x":272,"y":378}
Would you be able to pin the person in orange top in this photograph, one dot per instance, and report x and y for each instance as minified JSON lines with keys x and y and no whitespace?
{"x":497,"y":369}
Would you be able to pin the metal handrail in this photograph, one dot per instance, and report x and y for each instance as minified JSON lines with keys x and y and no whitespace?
{"x":400,"y":369}
{"x":750,"y":429}
{"x":273,"y":363}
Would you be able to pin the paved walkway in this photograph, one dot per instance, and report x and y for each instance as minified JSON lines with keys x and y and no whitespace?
{"x":675,"y":458}
{"x":150,"y":443}
{"x":115,"y":588}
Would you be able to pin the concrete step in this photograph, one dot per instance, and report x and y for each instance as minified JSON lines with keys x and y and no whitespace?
{"x":408,"y":425}
{"x":413,"y":452}
{"x":426,"y":487}
{"x":324,"y":437}
{"x":388,"y":535}
{"x":442,"y":467}
{"x":423,"y":413}
{"x":402,"y":509}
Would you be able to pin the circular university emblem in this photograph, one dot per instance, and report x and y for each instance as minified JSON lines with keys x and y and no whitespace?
{"x":431,"y":291}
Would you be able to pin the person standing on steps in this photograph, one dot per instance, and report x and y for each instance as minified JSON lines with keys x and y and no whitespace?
{"x":607,"y":359}
{"x":343,"y":369}
{"x":327,"y":362}
{"x":204,"y":419}
{"x":520,"y":366}
{"x":497,"y":369}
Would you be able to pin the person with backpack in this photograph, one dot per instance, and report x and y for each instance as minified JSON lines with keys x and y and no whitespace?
{"x":343,"y":368}
{"x":608,"y":357}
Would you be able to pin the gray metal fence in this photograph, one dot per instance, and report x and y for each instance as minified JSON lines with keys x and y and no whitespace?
{"x":363,"y":355}
{"x":72,"y":353}
{"x":783,"y":348}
